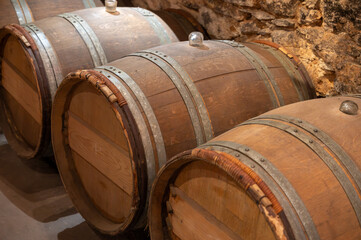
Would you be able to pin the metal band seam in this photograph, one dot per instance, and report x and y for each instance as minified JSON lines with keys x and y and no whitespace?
{"x":26,"y":11}
{"x":262,"y":71}
{"x":329,"y":161}
{"x":192,"y":89}
{"x":150,"y":115}
{"x":48,"y":56}
{"x":265,"y":71}
{"x":343,"y":157}
{"x":89,"y":37}
{"x":183,"y":91}
{"x":143,"y":130}
{"x":153,"y":21}
{"x":19,"y":11}
{"x":291,"y":69}
{"x":294,"y":207}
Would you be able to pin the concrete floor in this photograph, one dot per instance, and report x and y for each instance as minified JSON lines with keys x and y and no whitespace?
{"x":34,"y":204}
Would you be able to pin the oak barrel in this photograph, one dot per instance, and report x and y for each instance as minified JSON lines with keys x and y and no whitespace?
{"x":113,"y":127}
{"x":36,"y":57}
{"x":27,"y":11}
{"x":182,"y":22}
{"x":291,"y":173}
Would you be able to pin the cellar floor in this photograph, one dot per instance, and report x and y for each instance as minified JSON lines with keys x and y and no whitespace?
{"x":33,"y":202}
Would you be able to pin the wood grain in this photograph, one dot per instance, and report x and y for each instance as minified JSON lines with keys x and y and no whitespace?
{"x":131,"y":30}
{"x":232,"y":92}
{"x":111,"y":160}
{"x":109,"y":199}
{"x":24,"y":109}
{"x":188,"y":217}
{"x":221,"y":197}
{"x":41,"y":9}
{"x":14,"y":83}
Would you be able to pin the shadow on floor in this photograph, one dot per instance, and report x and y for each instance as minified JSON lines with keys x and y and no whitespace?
{"x":34,"y":204}
{"x":33,"y":186}
{"x":83,"y":231}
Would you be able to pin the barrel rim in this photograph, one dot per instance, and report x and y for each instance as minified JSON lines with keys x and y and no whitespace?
{"x":64,"y":160}
{"x":45,"y":89}
{"x":43,"y":147}
{"x":169,"y":172}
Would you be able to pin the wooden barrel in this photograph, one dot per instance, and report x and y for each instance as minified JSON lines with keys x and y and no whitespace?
{"x":36,"y":57}
{"x":27,"y":11}
{"x":182,"y":23}
{"x":291,"y":173}
{"x":114,"y":127}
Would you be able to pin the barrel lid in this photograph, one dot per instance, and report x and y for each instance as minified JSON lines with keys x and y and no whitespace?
{"x":22,"y":108}
{"x":206,"y":193}
{"x":94,"y":152}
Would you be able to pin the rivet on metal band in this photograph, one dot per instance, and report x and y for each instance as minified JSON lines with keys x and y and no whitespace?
{"x":197,"y":97}
{"x":143,"y":130}
{"x":48,"y":57}
{"x":290,"y":201}
{"x":182,"y":89}
{"x":89,"y":37}
{"x":294,"y":74}
{"x":22,"y":11}
{"x":343,"y":157}
{"x":262,"y":70}
{"x":324,"y":155}
{"x":147,"y":108}
{"x":155,"y":24}
{"x":89,"y":4}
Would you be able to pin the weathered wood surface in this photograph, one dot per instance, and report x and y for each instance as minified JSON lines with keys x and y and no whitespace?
{"x":164,"y":100}
{"x":305,"y":186}
{"x":182,"y":23}
{"x":38,"y":9}
{"x":34,"y":62}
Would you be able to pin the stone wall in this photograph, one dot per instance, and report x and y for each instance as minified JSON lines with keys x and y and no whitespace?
{"x":325,"y":34}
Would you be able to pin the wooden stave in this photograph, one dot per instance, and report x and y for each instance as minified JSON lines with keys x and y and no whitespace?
{"x":7,"y":130}
{"x":182,"y":23}
{"x":44,"y":146}
{"x":69,"y":177}
{"x":37,"y":11}
{"x":168,"y":173}
{"x":59,"y":153}
{"x":295,"y":61}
